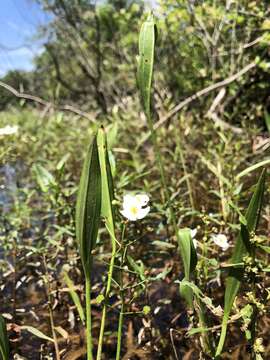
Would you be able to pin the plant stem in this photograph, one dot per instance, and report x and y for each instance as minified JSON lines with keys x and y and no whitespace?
{"x":183,"y":161}
{"x":50,"y":308}
{"x":89,"y":340}
{"x":121,"y":315}
{"x":120,"y":327}
{"x":108,"y":288}
{"x":222,"y":337}
{"x":222,"y":192}
{"x":162,"y":172}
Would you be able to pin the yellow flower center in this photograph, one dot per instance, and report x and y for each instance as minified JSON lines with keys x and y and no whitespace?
{"x":134,"y":210}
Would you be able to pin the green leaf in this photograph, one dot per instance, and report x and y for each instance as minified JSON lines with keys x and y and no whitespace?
{"x":147,"y":40}
{"x":252,"y":168}
{"x":74,"y":296}
{"x":88,"y":205}
{"x":198,"y":294}
{"x":107,"y":187}
{"x":189,"y":257}
{"x":197,"y":330}
{"x":44,"y":178}
{"x":36,"y":332}
{"x":264,"y":248}
{"x":138,"y":267}
{"x":242,"y":247}
{"x":267,"y":120}
{"x":4,"y":343}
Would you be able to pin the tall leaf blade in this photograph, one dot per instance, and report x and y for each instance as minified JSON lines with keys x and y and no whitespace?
{"x":106,"y":182}
{"x":242,"y":247}
{"x":189,"y":257}
{"x":4,"y":344}
{"x":146,"y":61}
{"x":88,"y":206}
{"x":108,"y":215}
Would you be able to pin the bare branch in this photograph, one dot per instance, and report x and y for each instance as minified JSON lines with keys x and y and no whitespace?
{"x":199,"y":94}
{"x":203,"y":92}
{"x":45,"y":103}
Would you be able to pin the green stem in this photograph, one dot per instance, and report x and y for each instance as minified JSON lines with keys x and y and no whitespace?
{"x":104,"y":310}
{"x":120,"y":327}
{"x":162,"y":173}
{"x":206,"y":339}
{"x":121,"y":315}
{"x":189,"y":187}
{"x":222,"y":337}
{"x":89,"y":340}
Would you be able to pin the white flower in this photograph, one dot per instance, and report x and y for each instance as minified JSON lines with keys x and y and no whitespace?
{"x":135,"y":206}
{"x":221,"y":241}
{"x":193,"y":233}
{"x":8,"y":130}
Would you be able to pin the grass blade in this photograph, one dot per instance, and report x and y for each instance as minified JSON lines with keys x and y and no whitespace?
{"x":88,"y":206}
{"x":242,"y":247}
{"x":36,"y":332}
{"x":74,"y":296}
{"x":252,"y":168}
{"x":189,"y":257}
{"x":4,"y":343}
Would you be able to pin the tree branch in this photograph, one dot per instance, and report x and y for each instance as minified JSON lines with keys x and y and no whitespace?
{"x":203,"y":92}
{"x":45,"y":103}
{"x":199,"y":94}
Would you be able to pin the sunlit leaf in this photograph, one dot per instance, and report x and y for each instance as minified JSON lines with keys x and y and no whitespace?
{"x":44,"y":178}
{"x":242,"y":247}
{"x":36,"y":332}
{"x":146,"y":61}
{"x":89,"y":205}
{"x":189,"y":257}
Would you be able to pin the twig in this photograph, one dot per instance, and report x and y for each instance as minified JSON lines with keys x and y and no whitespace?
{"x":173,"y":345}
{"x":212,"y":114}
{"x":45,"y":103}
{"x":199,"y":94}
{"x":203,"y":92}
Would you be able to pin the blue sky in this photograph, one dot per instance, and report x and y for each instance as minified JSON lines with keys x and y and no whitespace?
{"x":19,"y":21}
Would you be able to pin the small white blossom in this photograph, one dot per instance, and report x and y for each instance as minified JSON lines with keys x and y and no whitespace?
{"x":135,"y":206}
{"x":221,"y":241}
{"x":8,"y":130}
{"x":193,"y":233}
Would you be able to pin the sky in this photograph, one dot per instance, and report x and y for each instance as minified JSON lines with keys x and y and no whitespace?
{"x":19,"y":21}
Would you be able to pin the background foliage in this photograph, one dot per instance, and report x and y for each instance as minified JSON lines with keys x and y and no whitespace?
{"x":89,"y":62}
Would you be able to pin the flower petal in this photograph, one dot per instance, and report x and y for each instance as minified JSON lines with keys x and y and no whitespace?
{"x":128,"y":214}
{"x":143,"y":212}
{"x":143,"y":199}
{"x":193,"y":232}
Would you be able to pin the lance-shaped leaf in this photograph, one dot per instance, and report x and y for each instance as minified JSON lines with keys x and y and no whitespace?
{"x":4,"y":344}
{"x":146,"y":61}
{"x":189,"y":257}
{"x":106,"y":182}
{"x":89,"y":205}
{"x":108,"y":215}
{"x":242,"y":248}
